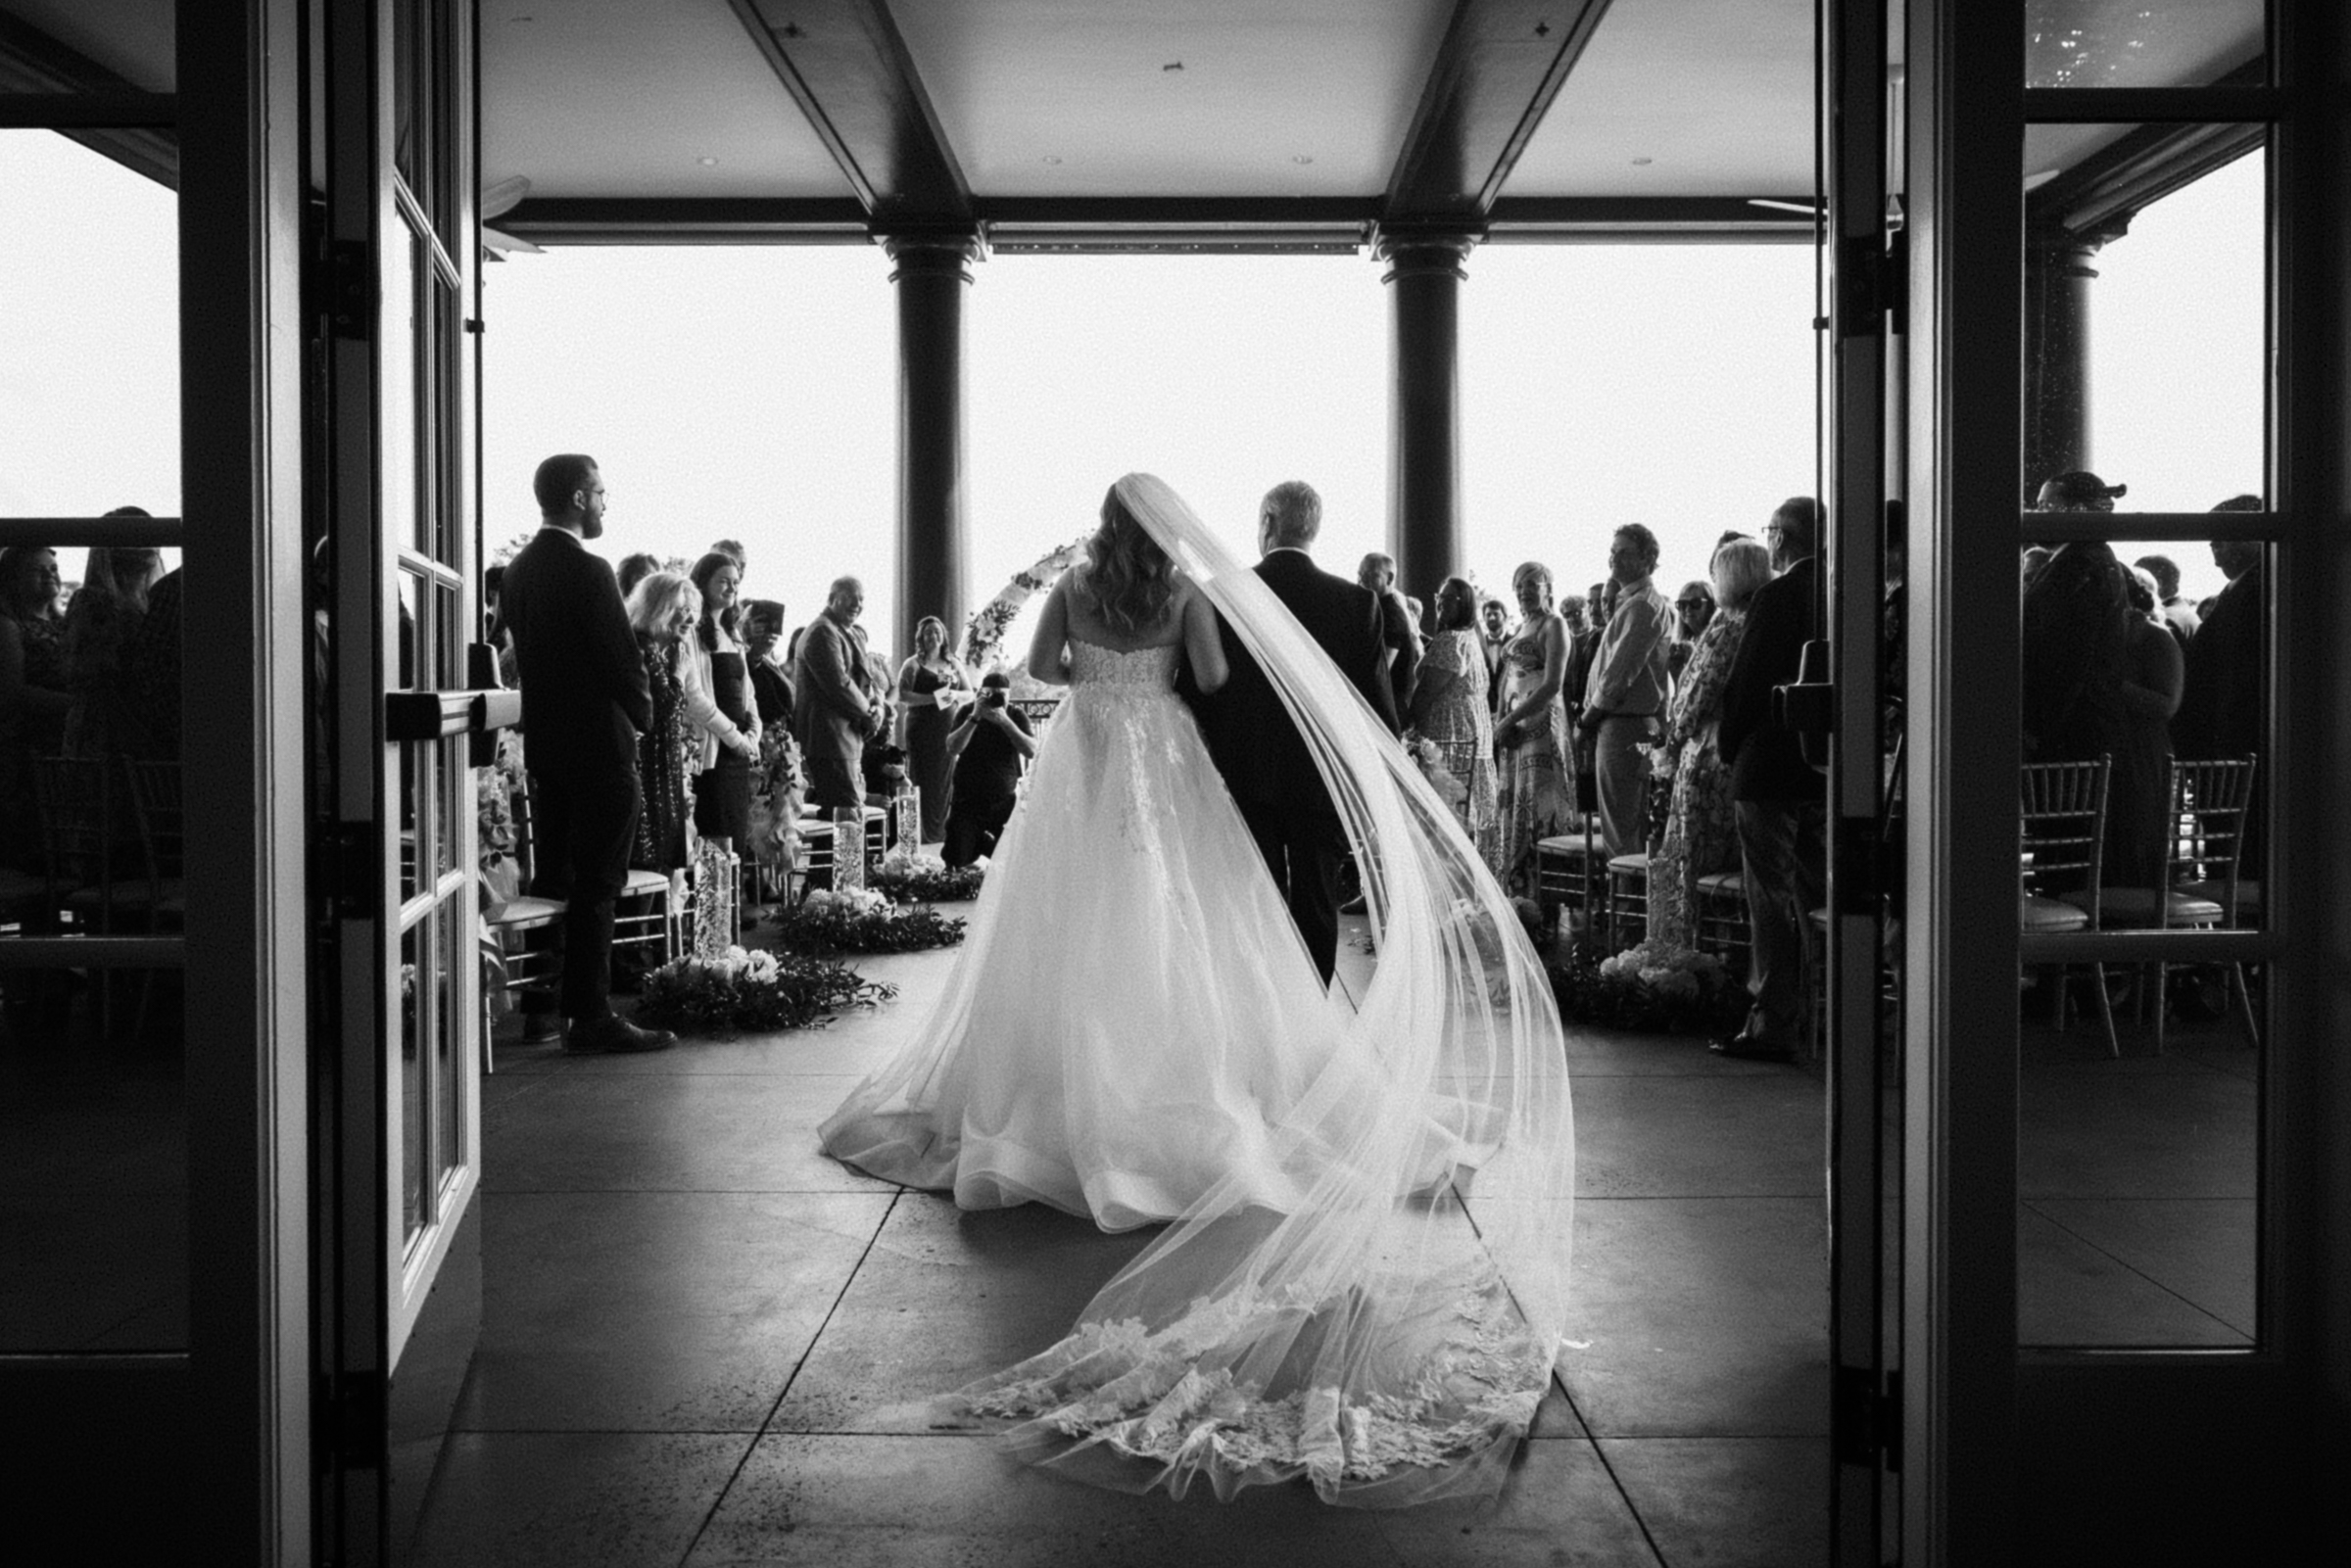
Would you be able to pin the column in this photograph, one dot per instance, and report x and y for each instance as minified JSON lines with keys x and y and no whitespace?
{"x":2056,"y":381}
{"x":1425,"y":407}
{"x":934,"y":554}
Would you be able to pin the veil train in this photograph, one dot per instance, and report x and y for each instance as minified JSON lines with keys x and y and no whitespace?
{"x":1390,"y":1331}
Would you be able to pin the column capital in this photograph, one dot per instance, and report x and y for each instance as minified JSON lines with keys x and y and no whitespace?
{"x":1424,"y":253}
{"x":933,"y":251}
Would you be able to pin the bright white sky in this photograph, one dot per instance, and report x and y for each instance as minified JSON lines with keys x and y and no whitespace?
{"x":750,"y":392}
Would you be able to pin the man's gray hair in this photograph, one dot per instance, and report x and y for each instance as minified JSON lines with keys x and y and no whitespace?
{"x":839,"y":583}
{"x":1297,"y":513}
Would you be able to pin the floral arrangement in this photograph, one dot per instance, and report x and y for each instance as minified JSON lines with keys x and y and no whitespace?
{"x":1431,"y":760}
{"x":917,"y":878}
{"x":1648,"y":987}
{"x":495,"y":832}
{"x":983,"y":633}
{"x":734,"y":990}
{"x":779,"y":787}
{"x":858,"y":920}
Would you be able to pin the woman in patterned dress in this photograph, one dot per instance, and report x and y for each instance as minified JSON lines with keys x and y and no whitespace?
{"x":1451,"y":708}
{"x":1701,"y":834}
{"x":1531,"y":731}
{"x":661,"y":607}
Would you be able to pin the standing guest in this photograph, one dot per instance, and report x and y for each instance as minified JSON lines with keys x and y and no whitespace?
{"x":635,"y":569}
{"x":1624,"y":697}
{"x":833,"y":707}
{"x":1494,"y":617}
{"x":930,"y":683}
{"x":1692,"y":608}
{"x":1583,"y":641}
{"x":2140,"y":777}
{"x":104,"y":720}
{"x":2175,"y":610}
{"x":1531,"y":734}
{"x":2073,"y":637}
{"x":585,"y":702}
{"x":493,"y":586}
{"x":152,"y":668}
{"x":2223,"y":707}
{"x":1450,"y":708}
{"x":987,"y":744}
{"x":1778,"y":800}
{"x":1702,"y":828}
{"x":33,"y":688}
{"x":717,"y":678}
{"x":731,"y":549}
{"x":1399,"y":629}
{"x":771,"y":686}
{"x":663,"y":608}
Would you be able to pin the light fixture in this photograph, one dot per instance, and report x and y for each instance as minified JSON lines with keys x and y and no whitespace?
{"x":1048,"y":158}
{"x":707,"y":163}
{"x":1641,"y":161}
{"x":1300,"y":158}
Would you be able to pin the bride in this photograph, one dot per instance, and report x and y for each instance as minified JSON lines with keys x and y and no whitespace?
{"x":1363,"y":1278}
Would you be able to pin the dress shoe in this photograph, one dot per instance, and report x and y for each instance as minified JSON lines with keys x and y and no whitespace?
{"x":616,"y":1035}
{"x":1746,"y":1048}
{"x":541,"y":1029}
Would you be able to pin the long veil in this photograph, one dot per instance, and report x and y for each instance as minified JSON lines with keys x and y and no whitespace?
{"x":1388,"y":1332}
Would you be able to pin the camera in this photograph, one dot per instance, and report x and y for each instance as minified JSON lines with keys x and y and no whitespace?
{"x":992,"y":696}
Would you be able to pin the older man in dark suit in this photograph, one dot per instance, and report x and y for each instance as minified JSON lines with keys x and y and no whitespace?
{"x":1260,"y":752}
{"x":1780,"y":802}
{"x":585,"y":702}
{"x":834,"y":705}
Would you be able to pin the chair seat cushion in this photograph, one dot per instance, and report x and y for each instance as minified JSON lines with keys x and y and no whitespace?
{"x":2037,"y":916}
{"x":1571,"y":846}
{"x":516,"y":913}
{"x":2248,"y":895}
{"x":1633,"y":865}
{"x":641,"y":880}
{"x":129,"y":894}
{"x":2139,"y":906}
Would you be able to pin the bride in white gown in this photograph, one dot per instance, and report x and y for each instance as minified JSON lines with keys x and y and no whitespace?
{"x":1364,"y":1276}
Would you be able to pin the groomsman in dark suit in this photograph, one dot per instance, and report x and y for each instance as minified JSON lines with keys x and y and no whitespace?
{"x":1260,"y":752}
{"x":585,"y":702}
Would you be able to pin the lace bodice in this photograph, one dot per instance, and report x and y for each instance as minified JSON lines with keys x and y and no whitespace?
{"x":1138,"y":671}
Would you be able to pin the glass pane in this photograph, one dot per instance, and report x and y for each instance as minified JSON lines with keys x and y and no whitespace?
{"x":2144,"y":44}
{"x":2146,"y":355}
{"x":407,"y":522}
{"x":450,"y":1052}
{"x":414,"y":995}
{"x":2142,"y":810}
{"x":93,"y":1109}
{"x":409,"y":765}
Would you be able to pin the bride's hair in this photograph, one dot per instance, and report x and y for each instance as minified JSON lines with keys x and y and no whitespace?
{"x":1128,"y":577}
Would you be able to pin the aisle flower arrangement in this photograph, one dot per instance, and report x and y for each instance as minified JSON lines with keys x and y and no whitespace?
{"x":916,"y":878}
{"x":736,"y":992}
{"x":858,"y":920}
{"x":1647,"y":988}
{"x":983,"y":633}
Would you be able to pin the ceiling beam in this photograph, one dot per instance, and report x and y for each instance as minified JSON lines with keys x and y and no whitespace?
{"x":1496,"y":74}
{"x":138,"y":133}
{"x":846,"y":64}
{"x":686,"y":220}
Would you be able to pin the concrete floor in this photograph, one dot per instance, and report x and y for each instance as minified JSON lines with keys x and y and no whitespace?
{"x":705,"y":1343}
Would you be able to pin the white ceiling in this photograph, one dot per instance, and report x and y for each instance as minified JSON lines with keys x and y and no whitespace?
{"x":1089,"y":85}
{"x":1716,"y":94}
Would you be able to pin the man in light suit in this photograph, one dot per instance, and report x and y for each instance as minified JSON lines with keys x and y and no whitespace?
{"x":1257,"y":749}
{"x":585,"y":700}
{"x":834,"y":710}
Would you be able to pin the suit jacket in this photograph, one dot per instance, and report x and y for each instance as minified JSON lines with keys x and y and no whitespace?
{"x":585,"y":697}
{"x":832,"y":702}
{"x":1396,"y":633}
{"x":771,"y":687}
{"x":2220,"y":709}
{"x":1766,"y":759}
{"x":1260,"y":752}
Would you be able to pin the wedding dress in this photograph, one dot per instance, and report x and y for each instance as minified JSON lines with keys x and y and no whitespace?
{"x":1132,"y":1011}
{"x":1364,"y":1276}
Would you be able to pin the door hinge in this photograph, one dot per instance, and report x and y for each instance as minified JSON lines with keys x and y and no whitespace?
{"x":354,"y":869}
{"x":1868,"y":1418}
{"x":1873,"y":284}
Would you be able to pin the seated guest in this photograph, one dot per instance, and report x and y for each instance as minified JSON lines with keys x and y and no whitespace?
{"x":988,"y":743}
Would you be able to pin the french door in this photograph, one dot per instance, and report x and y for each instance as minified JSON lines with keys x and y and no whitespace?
{"x":398,"y":1261}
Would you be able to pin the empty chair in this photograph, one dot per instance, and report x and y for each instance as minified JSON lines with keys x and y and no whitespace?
{"x":1628,"y":899}
{"x":1571,"y":871}
{"x":2061,"y":832}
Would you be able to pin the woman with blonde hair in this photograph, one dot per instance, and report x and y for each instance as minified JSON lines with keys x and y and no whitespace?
{"x":1531,"y":730}
{"x":1701,"y":833}
{"x":928,"y":684}
{"x":663,"y":607}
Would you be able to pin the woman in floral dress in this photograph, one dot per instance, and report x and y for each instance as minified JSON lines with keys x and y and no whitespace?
{"x":1451,"y":709}
{"x":1701,"y":835}
{"x":1531,"y":730}
{"x":663,"y":606}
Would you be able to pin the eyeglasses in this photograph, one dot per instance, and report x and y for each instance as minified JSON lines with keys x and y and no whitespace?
{"x":1692,"y":603}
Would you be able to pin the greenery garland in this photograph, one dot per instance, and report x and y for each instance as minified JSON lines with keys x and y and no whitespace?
{"x":1647,"y":990}
{"x":758,"y":992}
{"x":856,"y":921}
{"x":923,"y":880}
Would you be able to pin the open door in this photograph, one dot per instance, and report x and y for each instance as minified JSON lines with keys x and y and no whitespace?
{"x":398,"y":997}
